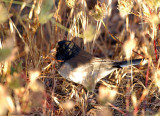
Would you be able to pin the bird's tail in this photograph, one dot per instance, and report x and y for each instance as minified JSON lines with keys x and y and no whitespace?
{"x":127,"y":63}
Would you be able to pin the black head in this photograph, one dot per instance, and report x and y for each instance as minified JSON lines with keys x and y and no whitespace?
{"x":66,"y":50}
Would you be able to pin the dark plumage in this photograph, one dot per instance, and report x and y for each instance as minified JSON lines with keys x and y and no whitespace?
{"x":83,"y":68}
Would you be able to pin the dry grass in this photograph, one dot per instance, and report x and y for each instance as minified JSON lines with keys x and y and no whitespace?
{"x":30,"y":29}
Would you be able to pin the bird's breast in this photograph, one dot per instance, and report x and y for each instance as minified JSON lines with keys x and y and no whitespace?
{"x":77,"y":75}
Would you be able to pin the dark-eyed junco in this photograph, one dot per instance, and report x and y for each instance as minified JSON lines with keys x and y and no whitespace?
{"x":80,"y":67}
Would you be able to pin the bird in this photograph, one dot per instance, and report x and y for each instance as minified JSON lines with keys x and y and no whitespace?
{"x":79,"y":66}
